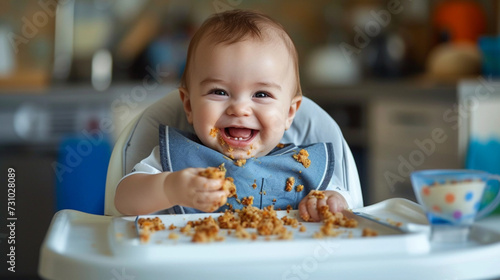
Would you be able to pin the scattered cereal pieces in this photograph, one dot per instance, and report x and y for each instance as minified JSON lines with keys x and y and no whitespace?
{"x":290,"y":221}
{"x":228,"y":220}
{"x":247,"y":200}
{"x":173,"y":235}
{"x":368,"y":232}
{"x":221,"y":141}
{"x":274,"y":199}
{"x":289,"y":208}
{"x":302,"y":229}
{"x":186,"y":229}
{"x":289,"y":184}
{"x":299,"y":188}
{"x":394,"y":223}
{"x":331,"y":223}
{"x":302,"y":157}
{"x":249,"y":152}
{"x":172,"y":227}
{"x":280,"y":145}
{"x":206,"y":230}
{"x":213,"y":132}
{"x":147,"y":226}
{"x":254,"y":186}
{"x":240,"y":162}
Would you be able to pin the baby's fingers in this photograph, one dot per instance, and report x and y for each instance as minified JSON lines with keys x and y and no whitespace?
{"x":311,"y":207}
{"x":336,"y":204}
{"x":209,"y":201}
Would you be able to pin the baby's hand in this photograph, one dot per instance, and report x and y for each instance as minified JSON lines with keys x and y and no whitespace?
{"x":187,"y":188}
{"x":308,"y":207}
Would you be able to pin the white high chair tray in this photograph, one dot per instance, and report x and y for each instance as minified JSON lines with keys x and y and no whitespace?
{"x":84,"y":246}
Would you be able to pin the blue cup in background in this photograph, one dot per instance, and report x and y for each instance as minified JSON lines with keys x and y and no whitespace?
{"x":490,"y":50}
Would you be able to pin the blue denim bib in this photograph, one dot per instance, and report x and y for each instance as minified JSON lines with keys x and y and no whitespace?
{"x":180,"y":150}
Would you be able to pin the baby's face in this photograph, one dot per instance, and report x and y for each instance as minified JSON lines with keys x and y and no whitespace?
{"x":241,"y":96}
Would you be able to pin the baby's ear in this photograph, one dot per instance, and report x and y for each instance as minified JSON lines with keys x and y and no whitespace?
{"x":294,"y":106}
{"x":186,"y":102}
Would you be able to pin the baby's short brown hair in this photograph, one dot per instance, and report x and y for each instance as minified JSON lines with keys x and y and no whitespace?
{"x":235,"y":26}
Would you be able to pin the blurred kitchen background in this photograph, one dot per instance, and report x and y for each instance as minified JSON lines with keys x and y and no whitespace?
{"x":73,"y":73}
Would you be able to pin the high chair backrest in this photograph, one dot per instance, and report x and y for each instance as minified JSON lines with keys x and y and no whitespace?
{"x":311,"y":125}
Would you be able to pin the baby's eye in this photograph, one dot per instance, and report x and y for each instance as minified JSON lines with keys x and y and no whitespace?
{"x":261,"y":94}
{"x":219,"y":92}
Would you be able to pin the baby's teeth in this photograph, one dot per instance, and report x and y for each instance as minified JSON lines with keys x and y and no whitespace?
{"x":241,"y":138}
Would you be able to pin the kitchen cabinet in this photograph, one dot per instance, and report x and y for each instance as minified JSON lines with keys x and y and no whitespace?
{"x":393,"y":129}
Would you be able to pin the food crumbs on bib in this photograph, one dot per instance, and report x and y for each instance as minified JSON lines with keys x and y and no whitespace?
{"x":299,"y":188}
{"x":302,"y":157}
{"x":240,"y":162}
{"x":247,"y":201}
{"x":289,"y":184}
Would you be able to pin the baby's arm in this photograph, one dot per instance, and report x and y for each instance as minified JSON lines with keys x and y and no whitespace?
{"x":148,"y":189}
{"x":140,"y":193}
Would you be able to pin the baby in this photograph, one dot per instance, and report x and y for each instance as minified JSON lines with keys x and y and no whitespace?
{"x":240,"y":91}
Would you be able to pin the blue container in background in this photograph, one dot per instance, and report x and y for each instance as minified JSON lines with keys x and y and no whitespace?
{"x":80,"y":171}
{"x":490,"y":50}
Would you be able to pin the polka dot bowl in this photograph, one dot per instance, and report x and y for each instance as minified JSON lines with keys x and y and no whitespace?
{"x":453,"y":196}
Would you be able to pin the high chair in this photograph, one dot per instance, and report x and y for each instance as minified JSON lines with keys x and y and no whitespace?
{"x":311,"y":125}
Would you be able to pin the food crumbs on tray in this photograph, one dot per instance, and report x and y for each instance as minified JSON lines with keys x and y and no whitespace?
{"x":289,"y":184}
{"x":368,"y":232}
{"x":173,"y":235}
{"x":303,"y":157}
{"x":263,"y":222}
{"x":394,"y":223}
{"x":288,"y":208}
{"x":147,"y":226}
{"x":331,"y":223}
{"x":172,"y":227}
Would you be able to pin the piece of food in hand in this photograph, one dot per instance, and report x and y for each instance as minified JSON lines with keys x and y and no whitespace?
{"x":316,"y":194}
{"x":220,"y":173}
{"x":213,"y":173}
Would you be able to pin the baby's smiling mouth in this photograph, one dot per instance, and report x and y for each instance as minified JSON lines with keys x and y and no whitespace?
{"x":238,"y":136}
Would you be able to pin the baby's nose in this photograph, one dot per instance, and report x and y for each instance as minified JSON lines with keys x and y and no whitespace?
{"x":239,"y":109}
